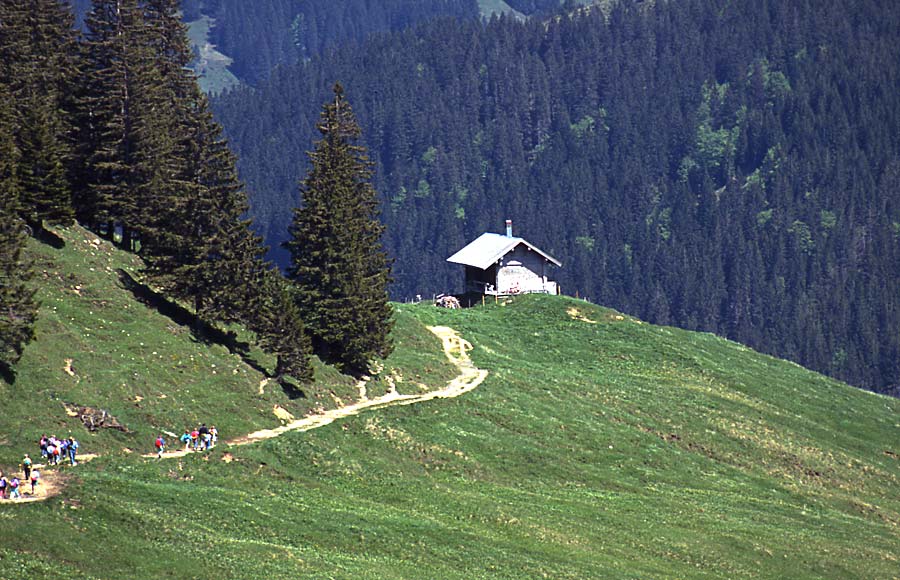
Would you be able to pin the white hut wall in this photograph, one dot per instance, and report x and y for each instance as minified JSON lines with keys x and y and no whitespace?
{"x":522,"y":270}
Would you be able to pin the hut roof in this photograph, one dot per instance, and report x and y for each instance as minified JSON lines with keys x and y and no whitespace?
{"x":488,"y":248}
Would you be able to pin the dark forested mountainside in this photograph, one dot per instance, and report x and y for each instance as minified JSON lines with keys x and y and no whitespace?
{"x":725,"y":166}
{"x":262,"y":34}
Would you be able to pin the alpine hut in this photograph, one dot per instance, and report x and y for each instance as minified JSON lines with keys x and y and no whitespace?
{"x":501,"y":265}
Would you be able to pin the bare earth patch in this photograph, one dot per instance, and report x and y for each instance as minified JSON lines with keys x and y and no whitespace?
{"x":576,"y":314}
{"x":50,"y":484}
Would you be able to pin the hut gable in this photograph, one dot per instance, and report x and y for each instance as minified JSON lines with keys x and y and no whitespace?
{"x":501,"y":265}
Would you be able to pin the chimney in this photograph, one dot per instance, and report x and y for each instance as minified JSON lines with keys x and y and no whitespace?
{"x":509,"y":228}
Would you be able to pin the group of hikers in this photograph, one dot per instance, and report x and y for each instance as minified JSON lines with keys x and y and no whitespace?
{"x":10,"y":488}
{"x":53,"y":451}
{"x":200,"y":438}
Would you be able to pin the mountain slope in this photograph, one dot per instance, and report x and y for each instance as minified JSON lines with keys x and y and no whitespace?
{"x":720,"y":166}
{"x":598,"y":446}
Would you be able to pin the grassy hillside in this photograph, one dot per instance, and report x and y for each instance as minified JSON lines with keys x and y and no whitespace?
{"x":99,"y":347}
{"x":598,"y":447}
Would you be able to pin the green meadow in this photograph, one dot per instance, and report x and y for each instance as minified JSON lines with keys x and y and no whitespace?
{"x":599,"y":446}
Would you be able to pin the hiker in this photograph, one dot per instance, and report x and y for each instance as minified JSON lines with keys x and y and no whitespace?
{"x":14,"y":488}
{"x":195,"y":439}
{"x":35,"y":476}
{"x":4,"y":486}
{"x":205,"y":437}
{"x":186,"y":439}
{"x":73,"y":449}
{"x":214,"y":433}
{"x":26,"y":467}
{"x":160,"y":446}
{"x":44,"y":443}
{"x":51,"y":452}
{"x":63,"y":450}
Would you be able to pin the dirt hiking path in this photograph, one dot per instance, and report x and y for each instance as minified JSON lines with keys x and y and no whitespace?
{"x":50,"y":483}
{"x":457,"y":351}
{"x":455,"y":348}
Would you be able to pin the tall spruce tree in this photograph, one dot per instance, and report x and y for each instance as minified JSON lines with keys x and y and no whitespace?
{"x":181,"y":100}
{"x":338,"y":265}
{"x":196,"y":240}
{"x":127,"y":147}
{"x":18,"y":308}
{"x":159,"y":169}
{"x":39,"y":49}
{"x":205,"y":251}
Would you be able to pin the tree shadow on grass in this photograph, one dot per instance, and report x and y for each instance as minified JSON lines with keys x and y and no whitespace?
{"x":291,"y":389}
{"x":40,"y":233}
{"x":201,"y":330}
{"x":7,"y":374}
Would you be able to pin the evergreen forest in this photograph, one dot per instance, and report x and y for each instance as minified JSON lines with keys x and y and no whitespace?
{"x":731,"y":167}
{"x":263,"y":34}
{"x":260,"y":35}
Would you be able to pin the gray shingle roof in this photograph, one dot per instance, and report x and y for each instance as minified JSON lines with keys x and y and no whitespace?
{"x":488,"y":248}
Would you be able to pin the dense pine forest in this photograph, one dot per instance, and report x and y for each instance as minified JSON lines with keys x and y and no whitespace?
{"x":724,"y":166}
{"x":264,"y":34}
{"x":260,"y":35}
{"x":111,"y":129}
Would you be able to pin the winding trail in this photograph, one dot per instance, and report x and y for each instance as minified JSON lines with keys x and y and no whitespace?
{"x":455,"y":348}
{"x":457,"y":351}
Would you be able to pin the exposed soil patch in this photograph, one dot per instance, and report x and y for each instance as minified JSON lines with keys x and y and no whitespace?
{"x":576,"y":314}
{"x":50,"y":484}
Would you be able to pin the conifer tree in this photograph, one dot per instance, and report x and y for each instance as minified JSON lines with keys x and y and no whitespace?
{"x":39,"y":60}
{"x":279,"y":328}
{"x":103,"y":113}
{"x":181,"y":102}
{"x":159,"y":169}
{"x":127,"y":145}
{"x":200,"y":247}
{"x":180,"y":194}
{"x":338,"y":265}
{"x":18,"y":309}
